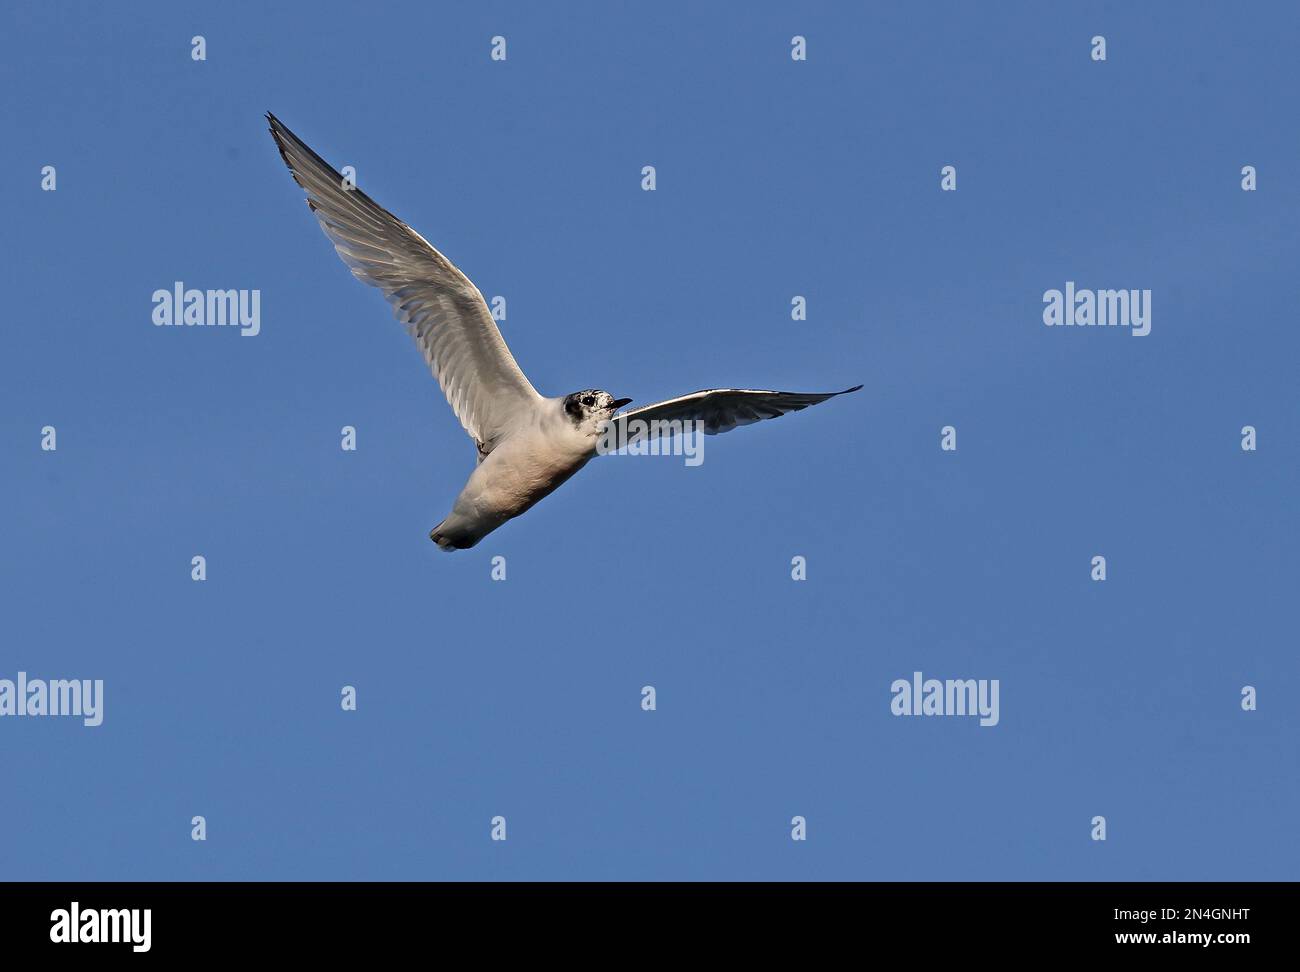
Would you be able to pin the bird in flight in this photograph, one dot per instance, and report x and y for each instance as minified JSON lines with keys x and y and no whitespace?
{"x":528,"y":445}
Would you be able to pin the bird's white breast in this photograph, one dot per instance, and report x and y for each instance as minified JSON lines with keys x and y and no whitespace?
{"x":528,"y":464}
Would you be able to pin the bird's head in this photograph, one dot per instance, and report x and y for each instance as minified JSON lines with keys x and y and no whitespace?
{"x":590,"y":408}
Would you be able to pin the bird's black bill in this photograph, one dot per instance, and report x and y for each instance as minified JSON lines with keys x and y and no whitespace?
{"x":620,"y":402}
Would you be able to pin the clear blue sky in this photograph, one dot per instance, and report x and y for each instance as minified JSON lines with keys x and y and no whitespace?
{"x":522,"y":698}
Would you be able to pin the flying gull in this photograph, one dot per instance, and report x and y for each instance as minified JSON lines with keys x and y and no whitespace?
{"x":528,"y":445}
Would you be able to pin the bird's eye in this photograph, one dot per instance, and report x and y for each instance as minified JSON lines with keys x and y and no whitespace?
{"x":588,"y":400}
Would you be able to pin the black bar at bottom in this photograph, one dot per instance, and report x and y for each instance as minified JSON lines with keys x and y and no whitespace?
{"x":338,"y":920}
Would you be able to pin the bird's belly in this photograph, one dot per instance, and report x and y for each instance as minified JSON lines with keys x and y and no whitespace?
{"x":509,"y":481}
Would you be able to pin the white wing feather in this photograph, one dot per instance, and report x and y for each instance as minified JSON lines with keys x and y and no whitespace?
{"x":440,"y":308}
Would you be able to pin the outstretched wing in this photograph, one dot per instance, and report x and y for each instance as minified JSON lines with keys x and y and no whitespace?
{"x":439,"y":306}
{"x":718,"y":410}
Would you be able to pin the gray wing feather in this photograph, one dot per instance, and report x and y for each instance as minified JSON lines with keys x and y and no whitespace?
{"x":440,"y":308}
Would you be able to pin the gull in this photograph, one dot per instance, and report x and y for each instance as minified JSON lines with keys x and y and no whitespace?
{"x":528,"y":444}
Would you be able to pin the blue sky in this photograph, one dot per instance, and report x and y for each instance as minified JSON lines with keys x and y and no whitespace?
{"x":522,"y":698}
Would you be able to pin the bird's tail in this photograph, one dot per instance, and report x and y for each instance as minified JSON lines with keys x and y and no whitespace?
{"x":449,"y":537}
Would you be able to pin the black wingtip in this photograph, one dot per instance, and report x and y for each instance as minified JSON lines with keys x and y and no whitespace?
{"x":279,"y":130}
{"x":847,"y":390}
